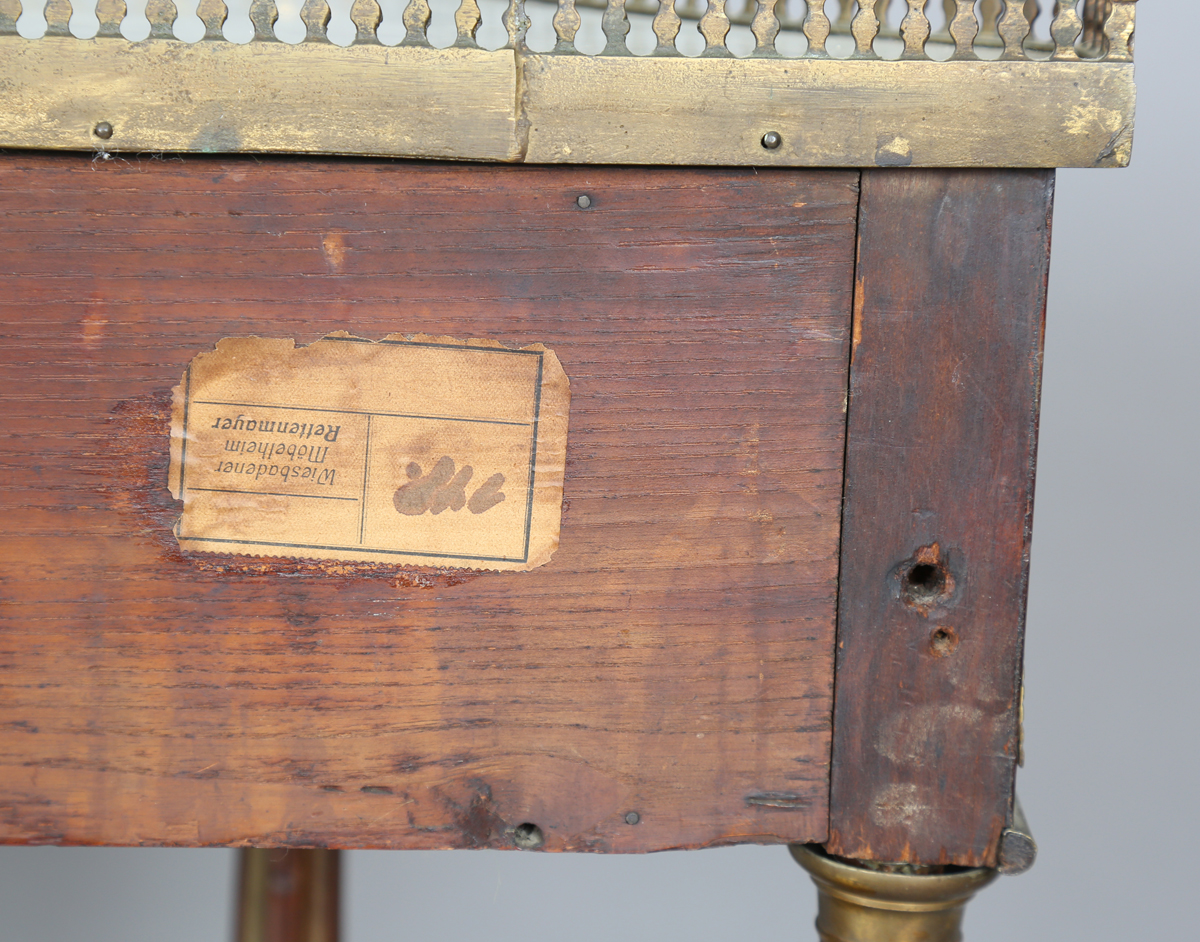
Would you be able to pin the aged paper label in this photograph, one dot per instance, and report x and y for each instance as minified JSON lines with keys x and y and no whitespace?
{"x":421,"y":450}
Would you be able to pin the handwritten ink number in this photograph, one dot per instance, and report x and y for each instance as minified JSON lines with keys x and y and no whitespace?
{"x":488,"y":495}
{"x":444,"y":489}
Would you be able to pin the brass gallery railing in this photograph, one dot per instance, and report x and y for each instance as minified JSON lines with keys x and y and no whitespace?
{"x":971,"y":94}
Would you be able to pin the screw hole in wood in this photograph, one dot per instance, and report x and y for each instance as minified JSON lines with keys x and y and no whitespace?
{"x":528,"y":836}
{"x":943,"y":641}
{"x":924,"y":582}
{"x":928,"y":579}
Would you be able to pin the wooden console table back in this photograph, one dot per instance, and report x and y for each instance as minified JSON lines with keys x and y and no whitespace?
{"x":802,"y":433}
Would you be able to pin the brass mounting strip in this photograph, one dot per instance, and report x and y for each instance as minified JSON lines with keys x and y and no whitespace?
{"x":828,"y":112}
{"x":220,"y":97}
{"x":514,"y":105}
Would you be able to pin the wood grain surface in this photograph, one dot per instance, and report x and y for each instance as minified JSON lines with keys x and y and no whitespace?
{"x":671,"y":665}
{"x":941,"y":437}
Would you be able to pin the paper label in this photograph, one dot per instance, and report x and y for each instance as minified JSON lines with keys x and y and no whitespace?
{"x":424,"y":450}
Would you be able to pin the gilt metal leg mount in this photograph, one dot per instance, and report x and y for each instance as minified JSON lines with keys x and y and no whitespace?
{"x":859,"y":904}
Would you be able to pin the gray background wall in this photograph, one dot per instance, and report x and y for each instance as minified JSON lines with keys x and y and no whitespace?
{"x":1113,"y":757}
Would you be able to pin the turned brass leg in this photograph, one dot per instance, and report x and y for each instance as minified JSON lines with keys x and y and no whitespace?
{"x":856,"y":904}
{"x":288,"y":895}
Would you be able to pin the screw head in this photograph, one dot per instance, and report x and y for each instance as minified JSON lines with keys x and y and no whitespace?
{"x":583,"y":201}
{"x":103,"y":130}
{"x":771,"y":140}
{"x":632,"y":817}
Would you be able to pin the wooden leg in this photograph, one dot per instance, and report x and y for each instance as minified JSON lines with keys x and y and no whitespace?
{"x":287,"y":895}
{"x":889,"y":904}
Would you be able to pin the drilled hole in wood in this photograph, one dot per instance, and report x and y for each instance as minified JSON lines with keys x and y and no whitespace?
{"x":924,"y":583}
{"x":943,"y":641}
{"x":528,"y":836}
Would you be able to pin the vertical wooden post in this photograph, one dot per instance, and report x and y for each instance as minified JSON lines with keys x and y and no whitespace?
{"x":287,"y":895}
{"x":944,"y":383}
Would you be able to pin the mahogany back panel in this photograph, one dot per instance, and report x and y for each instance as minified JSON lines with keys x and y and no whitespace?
{"x":665,"y":681}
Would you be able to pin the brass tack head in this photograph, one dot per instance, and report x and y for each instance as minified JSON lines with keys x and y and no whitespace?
{"x":584,"y":201}
{"x":771,"y":140}
{"x":632,"y":817}
{"x":103,"y":130}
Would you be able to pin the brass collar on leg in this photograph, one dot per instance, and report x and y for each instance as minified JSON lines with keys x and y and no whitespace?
{"x":856,"y":904}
